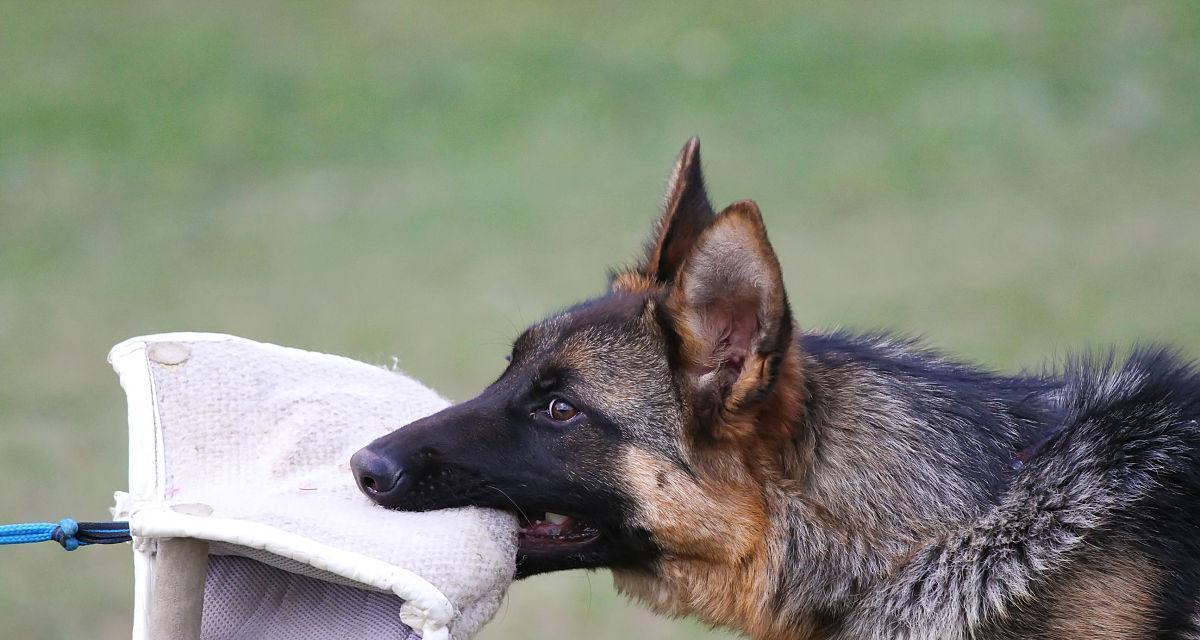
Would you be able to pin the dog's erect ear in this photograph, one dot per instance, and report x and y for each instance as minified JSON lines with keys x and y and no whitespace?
{"x":730,"y":311}
{"x":686,"y":214}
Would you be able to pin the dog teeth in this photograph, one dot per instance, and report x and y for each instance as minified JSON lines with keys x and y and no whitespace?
{"x":554,"y":518}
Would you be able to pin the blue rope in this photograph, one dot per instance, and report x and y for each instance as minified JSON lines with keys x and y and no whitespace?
{"x":70,"y":534}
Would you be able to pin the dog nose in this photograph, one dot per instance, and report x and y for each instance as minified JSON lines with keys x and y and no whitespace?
{"x":377,"y":474}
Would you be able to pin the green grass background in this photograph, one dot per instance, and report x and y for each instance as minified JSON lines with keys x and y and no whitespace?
{"x":421,"y":179}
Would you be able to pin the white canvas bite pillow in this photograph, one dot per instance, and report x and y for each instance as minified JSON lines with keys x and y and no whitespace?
{"x":246,"y":446}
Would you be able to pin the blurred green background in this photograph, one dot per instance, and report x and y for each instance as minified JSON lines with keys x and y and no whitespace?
{"x":379,"y":178}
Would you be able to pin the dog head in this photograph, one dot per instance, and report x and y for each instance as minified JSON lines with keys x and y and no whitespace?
{"x":633,"y":430}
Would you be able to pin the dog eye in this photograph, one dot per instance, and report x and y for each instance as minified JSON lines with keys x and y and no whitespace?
{"x":560,"y":410}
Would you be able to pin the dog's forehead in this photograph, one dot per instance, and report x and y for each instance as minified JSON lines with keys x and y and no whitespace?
{"x":594,"y":324}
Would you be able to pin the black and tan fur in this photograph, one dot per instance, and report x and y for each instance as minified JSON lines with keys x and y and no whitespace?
{"x":819,"y":486}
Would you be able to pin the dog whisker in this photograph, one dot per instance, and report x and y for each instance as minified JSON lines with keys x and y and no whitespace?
{"x":511,"y":501}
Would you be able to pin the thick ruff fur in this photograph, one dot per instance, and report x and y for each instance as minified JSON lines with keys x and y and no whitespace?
{"x":819,"y":486}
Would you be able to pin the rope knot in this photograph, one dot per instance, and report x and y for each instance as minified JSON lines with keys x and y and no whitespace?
{"x":64,"y":534}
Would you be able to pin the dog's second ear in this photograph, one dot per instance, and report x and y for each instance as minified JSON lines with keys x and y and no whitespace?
{"x":729,"y":308}
{"x":686,"y":214}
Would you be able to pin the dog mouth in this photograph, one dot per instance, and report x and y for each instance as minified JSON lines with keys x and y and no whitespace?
{"x":554,"y":532}
{"x":556,"y":542}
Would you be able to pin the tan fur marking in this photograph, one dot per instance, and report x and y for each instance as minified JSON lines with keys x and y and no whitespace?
{"x":715,"y":520}
{"x":721,"y":556}
{"x":1110,"y":598}
{"x":710,"y":531}
{"x":632,"y":282}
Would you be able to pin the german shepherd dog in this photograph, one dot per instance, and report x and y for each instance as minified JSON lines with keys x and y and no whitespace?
{"x":681,"y":431}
